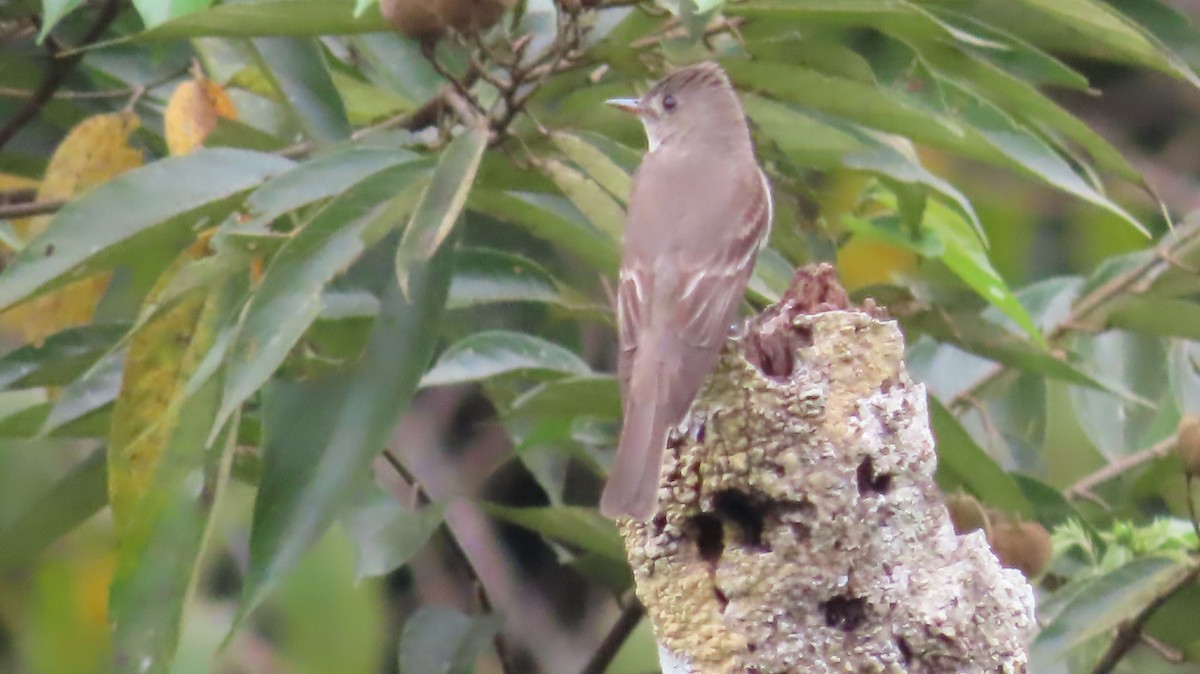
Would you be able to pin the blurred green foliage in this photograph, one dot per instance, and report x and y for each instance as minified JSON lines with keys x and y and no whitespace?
{"x":371,"y":256}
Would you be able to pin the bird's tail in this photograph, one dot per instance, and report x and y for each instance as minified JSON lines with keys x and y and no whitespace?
{"x":632,"y":487}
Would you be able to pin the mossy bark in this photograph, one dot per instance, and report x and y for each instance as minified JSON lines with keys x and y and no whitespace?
{"x":799,"y":528}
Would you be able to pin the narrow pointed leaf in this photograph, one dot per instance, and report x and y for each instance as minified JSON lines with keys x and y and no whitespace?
{"x":597,"y":205}
{"x":554,"y":219}
{"x":322,"y":437}
{"x":288,"y":298}
{"x":583,"y":528}
{"x":963,"y":463}
{"x":77,"y":496}
{"x":598,"y":165}
{"x":485,"y":276}
{"x":99,"y":222}
{"x":496,"y":352}
{"x":298,"y":69}
{"x":442,"y":202}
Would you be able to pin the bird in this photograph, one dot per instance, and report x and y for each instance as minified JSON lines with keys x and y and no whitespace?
{"x":699,"y":210}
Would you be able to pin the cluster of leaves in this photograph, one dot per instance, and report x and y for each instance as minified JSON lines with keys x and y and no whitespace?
{"x":284,"y":302}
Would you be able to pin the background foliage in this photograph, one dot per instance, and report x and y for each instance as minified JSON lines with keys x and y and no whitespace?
{"x":253,"y":244}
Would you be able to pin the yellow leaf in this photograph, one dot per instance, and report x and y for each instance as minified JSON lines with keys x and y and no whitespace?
{"x":95,"y":151}
{"x":863,"y":262}
{"x":192,"y":114}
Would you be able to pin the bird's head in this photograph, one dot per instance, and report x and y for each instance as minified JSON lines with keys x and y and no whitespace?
{"x":696,"y":99}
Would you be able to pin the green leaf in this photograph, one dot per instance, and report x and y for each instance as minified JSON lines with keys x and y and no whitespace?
{"x":323,"y":176}
{"x":1107,"y":602}
{"x":388,"y":535}
{"x":297,"y":68}
{"x":90,"y":230}
{"x":1108,"y":31}
{"x":962,"y":252}
{"x":69,"y":502}
{"x":52,"y":12}
{"x":597,"y":205}
{"x":598,"y":165}
{"x":582,"y":528}
{"x":594,"y":395}
{"x":896,"y":159}
{"x":1025,"y":151}
{"x":288,"y":298}
{"x":61,"y":358}
{"x":1184,"y":373}
{"x":847,"y":99}
{"x":1024,"y":101}
{"x":94,"y":390}
{"x":892,"y":16}
{"x":440,"y":640}
{"x":442,"y":202}
{"x":257,"y":18}
{"x":1156,"y":316}
{"x":485,"y":276}
{"x":167,"y":508}
{"x":495,"y":352}
{"x":155,"y":12}
{"x":554,"y":219}
{"x":322,"y":437}
{"x":1132,"y":368}
{"x":962,"y":463}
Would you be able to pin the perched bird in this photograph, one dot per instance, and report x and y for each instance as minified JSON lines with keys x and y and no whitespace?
{"x":699,"y":210}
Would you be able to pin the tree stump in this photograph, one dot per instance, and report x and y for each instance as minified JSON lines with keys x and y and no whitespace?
{"x":799,"y":529}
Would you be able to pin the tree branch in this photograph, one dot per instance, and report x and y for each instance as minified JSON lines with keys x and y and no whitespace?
{"x":57,"y":72}
{"x":30,"y":209}
{"x":1084,"y":485}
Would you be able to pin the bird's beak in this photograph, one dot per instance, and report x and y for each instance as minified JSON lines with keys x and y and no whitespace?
{"x":629,"y":105}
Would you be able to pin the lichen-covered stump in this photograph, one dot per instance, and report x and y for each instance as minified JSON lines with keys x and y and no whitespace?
{"x":799,"y":529}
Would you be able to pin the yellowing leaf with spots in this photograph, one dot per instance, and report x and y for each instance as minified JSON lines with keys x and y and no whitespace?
{"x":192,"y":114}
{"x":95,"y":151}
{"x":156,"y":367}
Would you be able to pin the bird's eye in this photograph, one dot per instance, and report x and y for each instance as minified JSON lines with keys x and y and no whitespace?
{"x":669,"y":102}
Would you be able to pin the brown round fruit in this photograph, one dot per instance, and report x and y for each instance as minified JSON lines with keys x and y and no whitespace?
{"x":1024,"y":546}
{"x":1187,"y":445}
{"x":417,"y":19}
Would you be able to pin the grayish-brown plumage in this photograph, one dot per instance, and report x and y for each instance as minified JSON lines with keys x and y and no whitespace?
{"x":699,"y":210}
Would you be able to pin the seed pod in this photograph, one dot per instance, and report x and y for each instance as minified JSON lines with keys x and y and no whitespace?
{"x":417,"y":19}
{"x":1187,"y":445}
{"x":966,"y":513}
{"x":1024,"y":546}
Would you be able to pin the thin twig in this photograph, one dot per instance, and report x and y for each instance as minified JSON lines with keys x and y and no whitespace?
{"x":630,"y":616}
{"x":57,"y":72}
{"x":104,"y":94}
{"x":1129,"y":634}
{"x":18,"y":196}
{"x":30,"y":209}
{"x":1084,"y":485}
